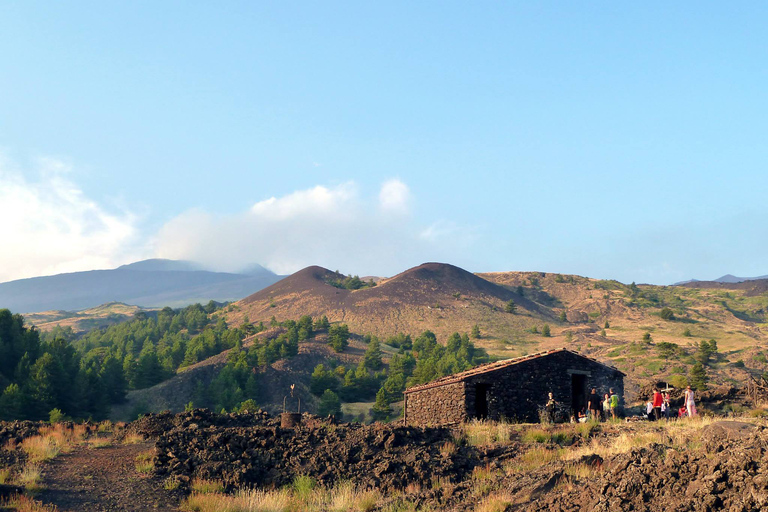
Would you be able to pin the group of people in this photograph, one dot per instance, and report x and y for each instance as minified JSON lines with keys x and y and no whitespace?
{"x":597,"y":409}
{"x":600,"y":408}
{"x":660,"y":405}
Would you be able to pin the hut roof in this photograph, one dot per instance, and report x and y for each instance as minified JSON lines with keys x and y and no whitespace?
{"x":498,"y":365}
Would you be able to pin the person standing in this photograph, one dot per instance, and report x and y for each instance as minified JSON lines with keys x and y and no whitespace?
{"x":606,"y":405}
{"x":614,"y":403}
{"x":667,"y":405}
{"x":657,"y":401}
{"x":550,"y":408}
{"x":593,"y":404}
{"x":690,"y":404}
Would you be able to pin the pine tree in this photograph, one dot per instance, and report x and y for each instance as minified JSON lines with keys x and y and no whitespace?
{"x":699,"y":377}
{"x":511,"y":307}
{"x":329,"y":405}
{"x":475,"y":332}
{"x":545,"y":331}
{"x":381,"y":411}
{"x":372,"y":357}
{"x":338,"y":336}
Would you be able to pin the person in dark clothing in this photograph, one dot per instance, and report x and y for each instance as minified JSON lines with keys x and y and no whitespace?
{"x":594,"y":404}
{"x":550,"y":408}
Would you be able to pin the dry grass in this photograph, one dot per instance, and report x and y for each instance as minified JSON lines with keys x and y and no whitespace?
{"x":133,"y":439}
{"x":29,"y":478}
{"x":534,"y":459}
{"x":99,"y":442}
{"x":5,"y":475}
{"x":145,"y":461}
{"x":487,"y":433}
{"x":497,"y":502}
{"x":26,"y":504}
{"x":581,"y":470}
{"x":171,"y":483}
{"x":203,"y":486}
{"x":40,"y":449}
{"x":448,"y":448}
{"x":51,"y":441}
{"x":621,"y":444}
{"x":342,"y":498}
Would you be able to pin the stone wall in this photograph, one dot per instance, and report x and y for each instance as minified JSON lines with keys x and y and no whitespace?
{"x":436,"y":406}
{"x":519,"y":391}
{"x":514,"y":393}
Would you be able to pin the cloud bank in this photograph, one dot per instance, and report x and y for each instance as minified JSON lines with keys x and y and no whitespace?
{"x":336,"y":227}
{"x":50,"y":226}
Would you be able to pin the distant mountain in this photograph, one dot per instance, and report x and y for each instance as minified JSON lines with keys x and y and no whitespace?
{"x":726,"y":279}
{"x":148,"y":283}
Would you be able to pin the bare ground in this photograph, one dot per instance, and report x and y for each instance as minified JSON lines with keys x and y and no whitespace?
{"x":104,"y":479}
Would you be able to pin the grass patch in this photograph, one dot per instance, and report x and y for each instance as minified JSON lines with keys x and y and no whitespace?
{"x":99,"y":442}
{"x":203,"y":486}
{"x":344,"y":497}
{"x":497,"y":502}
{"x":133,"y":439}
{"x":26,"y":504}
{"x":145,"y":461}
{"x":486,"y":433}
{"x":29,"y":478}
{"x":533,"y":459}
{"x":40,"y":449}
{"x":171,"y":483}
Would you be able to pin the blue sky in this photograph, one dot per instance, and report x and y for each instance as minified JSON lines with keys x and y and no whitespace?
{"x":598,"y":139}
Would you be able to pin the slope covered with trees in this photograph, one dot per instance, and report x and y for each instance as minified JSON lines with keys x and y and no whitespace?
{"x":82,"y":377}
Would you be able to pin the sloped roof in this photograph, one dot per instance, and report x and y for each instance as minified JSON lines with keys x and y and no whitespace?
{"x":492,"y":367}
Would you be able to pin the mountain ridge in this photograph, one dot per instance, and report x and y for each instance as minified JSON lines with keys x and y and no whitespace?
{"x":147,"y":283}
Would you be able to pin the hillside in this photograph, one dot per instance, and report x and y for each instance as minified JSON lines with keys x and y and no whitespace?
{"x":149,"y":283}
{"x":276,"y":379}
{"x":444,"y":298}
{"x":435,"y":296}
{"x":81,"y":321}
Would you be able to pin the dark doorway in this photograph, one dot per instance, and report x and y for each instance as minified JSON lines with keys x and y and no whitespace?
{"x":578,"y":392}
{"x":481,"y":401}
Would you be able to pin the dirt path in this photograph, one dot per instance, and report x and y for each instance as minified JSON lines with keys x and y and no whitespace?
{"x":103,"y":479}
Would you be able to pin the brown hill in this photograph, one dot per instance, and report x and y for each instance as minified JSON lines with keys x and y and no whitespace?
{"x":436,"y":296}
{"x":446,"y":299}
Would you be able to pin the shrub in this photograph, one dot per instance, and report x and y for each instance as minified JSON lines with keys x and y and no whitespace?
{"x":56,"y":416}
{"x":667,"y":314}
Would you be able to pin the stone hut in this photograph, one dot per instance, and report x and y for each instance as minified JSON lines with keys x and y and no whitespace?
{"x":513,"y":389}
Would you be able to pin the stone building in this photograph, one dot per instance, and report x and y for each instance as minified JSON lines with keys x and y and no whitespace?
{"x":513,"y":389}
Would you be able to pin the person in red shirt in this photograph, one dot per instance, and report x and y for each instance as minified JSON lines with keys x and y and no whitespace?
{"x":658,"y":399}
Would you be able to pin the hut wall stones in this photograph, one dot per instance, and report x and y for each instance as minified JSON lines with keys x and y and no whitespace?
{"x":445,"y":402}
{"x":515,"y":389}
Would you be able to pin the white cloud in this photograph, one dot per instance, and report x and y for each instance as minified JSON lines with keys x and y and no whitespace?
{"x":306,"y":203}
{"x":330,"y":226}
{"x":50,"y":226}
{"x":394,"y":197}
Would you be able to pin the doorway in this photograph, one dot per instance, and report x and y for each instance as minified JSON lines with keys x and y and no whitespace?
{"x":481,"y":401}
{"x":578,"y":392}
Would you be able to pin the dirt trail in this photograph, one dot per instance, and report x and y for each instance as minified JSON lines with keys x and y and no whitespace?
{"x":103,"y":479}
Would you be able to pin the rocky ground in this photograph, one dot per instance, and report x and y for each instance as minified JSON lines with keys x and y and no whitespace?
{"x":104,"y":479}
{"x":691,"y":465}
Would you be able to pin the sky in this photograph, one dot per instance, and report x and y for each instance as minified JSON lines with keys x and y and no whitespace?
{"x":600,"y":139}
